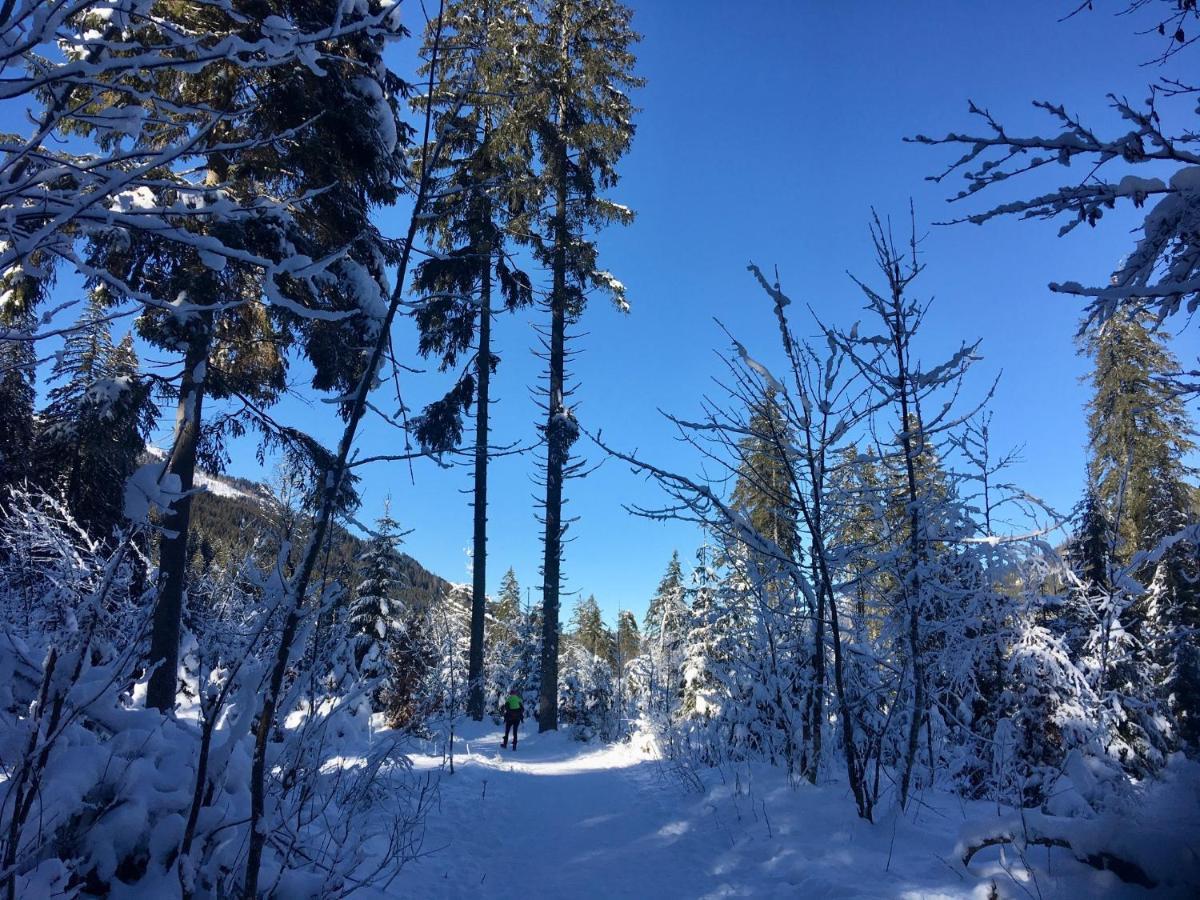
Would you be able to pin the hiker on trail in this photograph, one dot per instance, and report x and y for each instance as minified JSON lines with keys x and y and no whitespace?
{"x":514,"y":712}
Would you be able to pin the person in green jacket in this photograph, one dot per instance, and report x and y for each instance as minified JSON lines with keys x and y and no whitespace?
{"x":514,"y":712}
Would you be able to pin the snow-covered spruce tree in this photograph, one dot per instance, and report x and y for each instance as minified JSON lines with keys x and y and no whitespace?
{"x":664,"y":634}
{"x":1139,"y":432}
{"x":581,"y":68}
{"x":410,"y":658}
{"x":707,"y":659}
{"x":502,"y":648}
{"x":587,"y":694}
{"x":527,"y":672}
{"x":92,"y":431}
{"x":447,"y":626}
{"x":1095,"y":620}
{"x":588,"y":629}
{"x":484,"y":198}
{"x":234,"y":319}
{"x":627,"y":647}
{"x":587,"y":691}
{"x":376,"y":605}
{"x":1139,"y":437}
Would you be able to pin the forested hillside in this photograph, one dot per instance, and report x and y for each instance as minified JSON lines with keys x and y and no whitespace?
{"x":234,"y":513}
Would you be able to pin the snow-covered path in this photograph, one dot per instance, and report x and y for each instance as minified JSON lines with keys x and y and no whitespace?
{"x":563,"y":819}
{"x":558,"y":818}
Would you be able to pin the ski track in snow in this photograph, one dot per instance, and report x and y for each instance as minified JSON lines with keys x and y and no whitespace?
{"x":563,"y":819}
{"x":559,"y":819}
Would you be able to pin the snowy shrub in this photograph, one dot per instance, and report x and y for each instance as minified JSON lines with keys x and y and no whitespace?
{"x":103,"y":795}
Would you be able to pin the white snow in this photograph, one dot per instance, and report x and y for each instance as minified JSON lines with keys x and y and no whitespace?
{"x":210,"y":483}
{"x":560,"y":818}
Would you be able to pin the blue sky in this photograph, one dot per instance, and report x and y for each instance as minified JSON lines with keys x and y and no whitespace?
{"x":768,"y":131}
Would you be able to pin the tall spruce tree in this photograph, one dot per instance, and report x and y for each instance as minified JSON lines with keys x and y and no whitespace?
{"x":485,"y":195}
{"x":502,"y":649}
{"x":506,"y":612}
{"x":1140,"y":435}
{"x":582,"y":68}
{"x":1138,"y":431}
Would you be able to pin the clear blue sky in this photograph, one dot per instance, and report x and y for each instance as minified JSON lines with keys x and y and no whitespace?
{"x":768,"y":131}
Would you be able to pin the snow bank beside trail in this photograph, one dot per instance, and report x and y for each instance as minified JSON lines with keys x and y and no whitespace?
{"x":560,"y":818}
{"x":1151,"y":838}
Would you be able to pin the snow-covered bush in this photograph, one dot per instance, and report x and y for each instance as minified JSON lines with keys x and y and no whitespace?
{"x":103,"y":795}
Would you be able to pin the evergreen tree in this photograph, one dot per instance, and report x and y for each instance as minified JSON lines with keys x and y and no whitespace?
{"x":627,"y":647}
{"x":526,"y":675}
{"x":665,"y":632}
{"x":765,"y":489}
{"x":503,"y":648}
{"x":588,"y":629}
{"x":1139,"y":436}
{"x":1138,"y":432}
{"x":376,"y":605}
{"x":628,"y":641}
{"x":861,"y":528}
{"x":506,"y":612}
{"x":410,"y":658}
{"x":581,"y":68}
{"x":92,"y":431}
{"x":484,"y":194}
{"x":587,"y":696}
{"x":702,"y":648}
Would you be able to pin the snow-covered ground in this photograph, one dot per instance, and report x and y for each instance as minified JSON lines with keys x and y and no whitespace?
{"x":559,"y":818}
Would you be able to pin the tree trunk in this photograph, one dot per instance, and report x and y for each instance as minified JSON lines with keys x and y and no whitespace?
{"x":479,"y":555}
{"x":557,"y":448}
{"x":558,"y":440}
{"x":172,"y":554}
{"x":912,"y":587}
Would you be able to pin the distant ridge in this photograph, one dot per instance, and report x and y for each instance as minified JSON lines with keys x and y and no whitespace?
{"x":231,"y":514}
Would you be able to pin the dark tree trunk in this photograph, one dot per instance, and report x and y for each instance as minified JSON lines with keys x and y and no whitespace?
{"x":172,"y":554}
{"x":558,"y":438}
{"x":479,"y":557}
{"x":557,"y":448}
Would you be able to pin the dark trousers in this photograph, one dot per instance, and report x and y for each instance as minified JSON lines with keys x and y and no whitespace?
{"x":512,"y":724}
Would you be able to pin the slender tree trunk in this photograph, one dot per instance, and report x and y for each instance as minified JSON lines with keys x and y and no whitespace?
{"x":172,"y":554}
{"x":558,"y":439}
{"x":912,"y":586}
{"x":479,"y":557}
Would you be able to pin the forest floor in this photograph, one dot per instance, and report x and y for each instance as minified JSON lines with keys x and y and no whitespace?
{"x":560,"y":818}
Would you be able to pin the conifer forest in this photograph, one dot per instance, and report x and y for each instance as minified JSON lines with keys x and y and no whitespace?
{"x":780,"y":416}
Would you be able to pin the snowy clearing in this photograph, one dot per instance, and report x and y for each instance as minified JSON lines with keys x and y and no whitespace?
{"x":560,"y":818}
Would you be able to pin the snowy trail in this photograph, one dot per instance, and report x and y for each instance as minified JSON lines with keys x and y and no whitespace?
{"x":563,"y":819}
{"x":560,"y":819}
